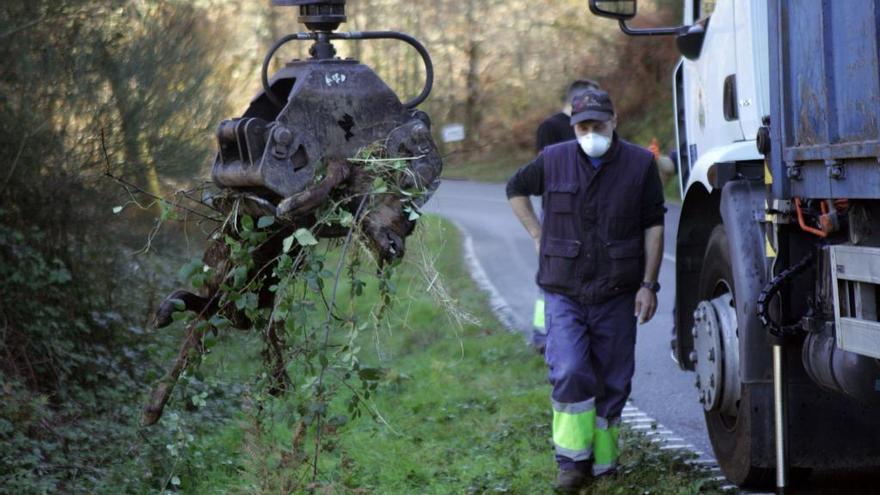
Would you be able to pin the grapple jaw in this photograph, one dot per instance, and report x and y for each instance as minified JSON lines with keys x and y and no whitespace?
{"x":334,"y":108}
{"x":320,"y":109}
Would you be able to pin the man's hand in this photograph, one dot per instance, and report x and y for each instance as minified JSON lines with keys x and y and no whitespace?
{"x":646,"y":299}
{"x":646,"y":305}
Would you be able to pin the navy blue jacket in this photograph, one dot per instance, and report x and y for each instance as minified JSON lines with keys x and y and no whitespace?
{"x":592,"y":240}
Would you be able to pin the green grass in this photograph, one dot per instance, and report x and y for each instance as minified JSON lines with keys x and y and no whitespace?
{"x":465,"y":408}
{"x":493,"y":168}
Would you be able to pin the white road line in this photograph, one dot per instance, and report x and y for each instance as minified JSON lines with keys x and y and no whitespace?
{"x":497,"y":302}
{"x":640,"y":420}
{"x":676,"y":446}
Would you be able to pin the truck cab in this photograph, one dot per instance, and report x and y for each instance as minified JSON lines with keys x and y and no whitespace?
{"x":719,"y":122}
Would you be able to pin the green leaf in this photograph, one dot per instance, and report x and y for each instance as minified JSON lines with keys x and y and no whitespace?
{"x":346,"y":219}
{"x":220,"y":322}
{"x":167,"y":212}
{"x":179,"y":315}
{"x":264,"y":222}
{"x":247,"y":223}
{"x":287,"y":244}
{"x":190,"y":269}
{"x":379,"y":185}
{"x":117,"y":210}
{"x":304,"y":237}
{"x":239,"y":276}
{"x":175,"y":481}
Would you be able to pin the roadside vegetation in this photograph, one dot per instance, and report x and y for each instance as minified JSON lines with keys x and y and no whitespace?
{"x":459,"y":406}
{"x":107,"y":117}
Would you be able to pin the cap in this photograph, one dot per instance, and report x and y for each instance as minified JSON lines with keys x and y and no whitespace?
{"x":592,"y":104}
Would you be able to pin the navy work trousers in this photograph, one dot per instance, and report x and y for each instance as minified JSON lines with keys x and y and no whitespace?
{"x":591,"y":356}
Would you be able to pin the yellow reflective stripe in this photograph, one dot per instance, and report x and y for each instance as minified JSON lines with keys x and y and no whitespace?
{"x":605,"y":446}
{"x":768,"y":248}
{"x":538,"y":320}
{"x":573,"y":432}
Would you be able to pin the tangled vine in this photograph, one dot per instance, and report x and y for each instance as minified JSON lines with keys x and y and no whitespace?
{"x":281,"y":275}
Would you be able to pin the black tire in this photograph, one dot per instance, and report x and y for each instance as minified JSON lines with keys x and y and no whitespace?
{"x":734,"y":440}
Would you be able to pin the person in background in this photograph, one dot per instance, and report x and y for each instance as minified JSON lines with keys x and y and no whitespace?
{"x":600,"y":246}
{"x":554,"y":129}
{"x":664,"y":163}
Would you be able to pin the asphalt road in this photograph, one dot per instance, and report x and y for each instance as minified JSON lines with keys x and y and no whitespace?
{"x":507,"y":255}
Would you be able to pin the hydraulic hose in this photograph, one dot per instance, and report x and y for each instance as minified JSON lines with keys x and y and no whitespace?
{"x":771,"y":290}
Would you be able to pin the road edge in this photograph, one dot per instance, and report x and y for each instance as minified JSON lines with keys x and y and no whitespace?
{"x":498,"y":304}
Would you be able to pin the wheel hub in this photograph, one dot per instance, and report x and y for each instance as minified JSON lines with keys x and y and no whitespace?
{"x":716,"y":355}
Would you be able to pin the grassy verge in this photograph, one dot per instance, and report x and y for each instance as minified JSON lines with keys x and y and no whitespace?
{"x":493,"y":168}
{"x":463,"y":404}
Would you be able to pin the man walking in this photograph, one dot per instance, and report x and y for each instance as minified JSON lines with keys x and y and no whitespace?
{"x":555,"y":129}
{"x":600,"y":248}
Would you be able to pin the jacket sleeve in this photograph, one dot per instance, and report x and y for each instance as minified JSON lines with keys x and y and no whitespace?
{"x":653,"y":200}
{"x":528,"y":180}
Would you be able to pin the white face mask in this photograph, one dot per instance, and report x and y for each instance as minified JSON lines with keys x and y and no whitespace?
{"x":594,"y":145}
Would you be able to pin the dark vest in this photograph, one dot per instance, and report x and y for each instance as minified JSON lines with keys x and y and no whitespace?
{"x":592,"y":241}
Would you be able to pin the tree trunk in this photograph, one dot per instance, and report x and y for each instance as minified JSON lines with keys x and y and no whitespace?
{"x":473,"y":115}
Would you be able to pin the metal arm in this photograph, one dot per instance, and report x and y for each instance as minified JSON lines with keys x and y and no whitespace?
{"x":369,"y":35}
{"x":423,"y":52}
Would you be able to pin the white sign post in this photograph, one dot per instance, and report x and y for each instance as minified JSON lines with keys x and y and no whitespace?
{"x":453,"y":133}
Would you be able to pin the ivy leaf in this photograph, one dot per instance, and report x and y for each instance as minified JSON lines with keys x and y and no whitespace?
{"x":190,"y":269}
{"x":220,"y":322}
{"x":287,"y":244}
{"x":239,"y":276}
{"x":247,"y":223}
{"x":264,"y":222}
{"x":379,"y":185}
{"x":305,"y":238}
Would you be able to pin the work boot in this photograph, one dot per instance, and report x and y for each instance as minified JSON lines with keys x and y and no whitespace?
{"x":570,"y":481}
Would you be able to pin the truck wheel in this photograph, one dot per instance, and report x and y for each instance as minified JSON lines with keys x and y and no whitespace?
{"x":730,"y":427}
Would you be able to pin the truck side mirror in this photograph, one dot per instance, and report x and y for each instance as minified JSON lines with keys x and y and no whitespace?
{"x":622,"y":10}
{"x":615,"y":9}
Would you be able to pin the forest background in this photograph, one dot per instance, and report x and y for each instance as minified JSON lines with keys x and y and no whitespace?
{"x":95,"y":94}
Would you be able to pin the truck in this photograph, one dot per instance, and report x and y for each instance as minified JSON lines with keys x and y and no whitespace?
{"x":777,"y":304}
